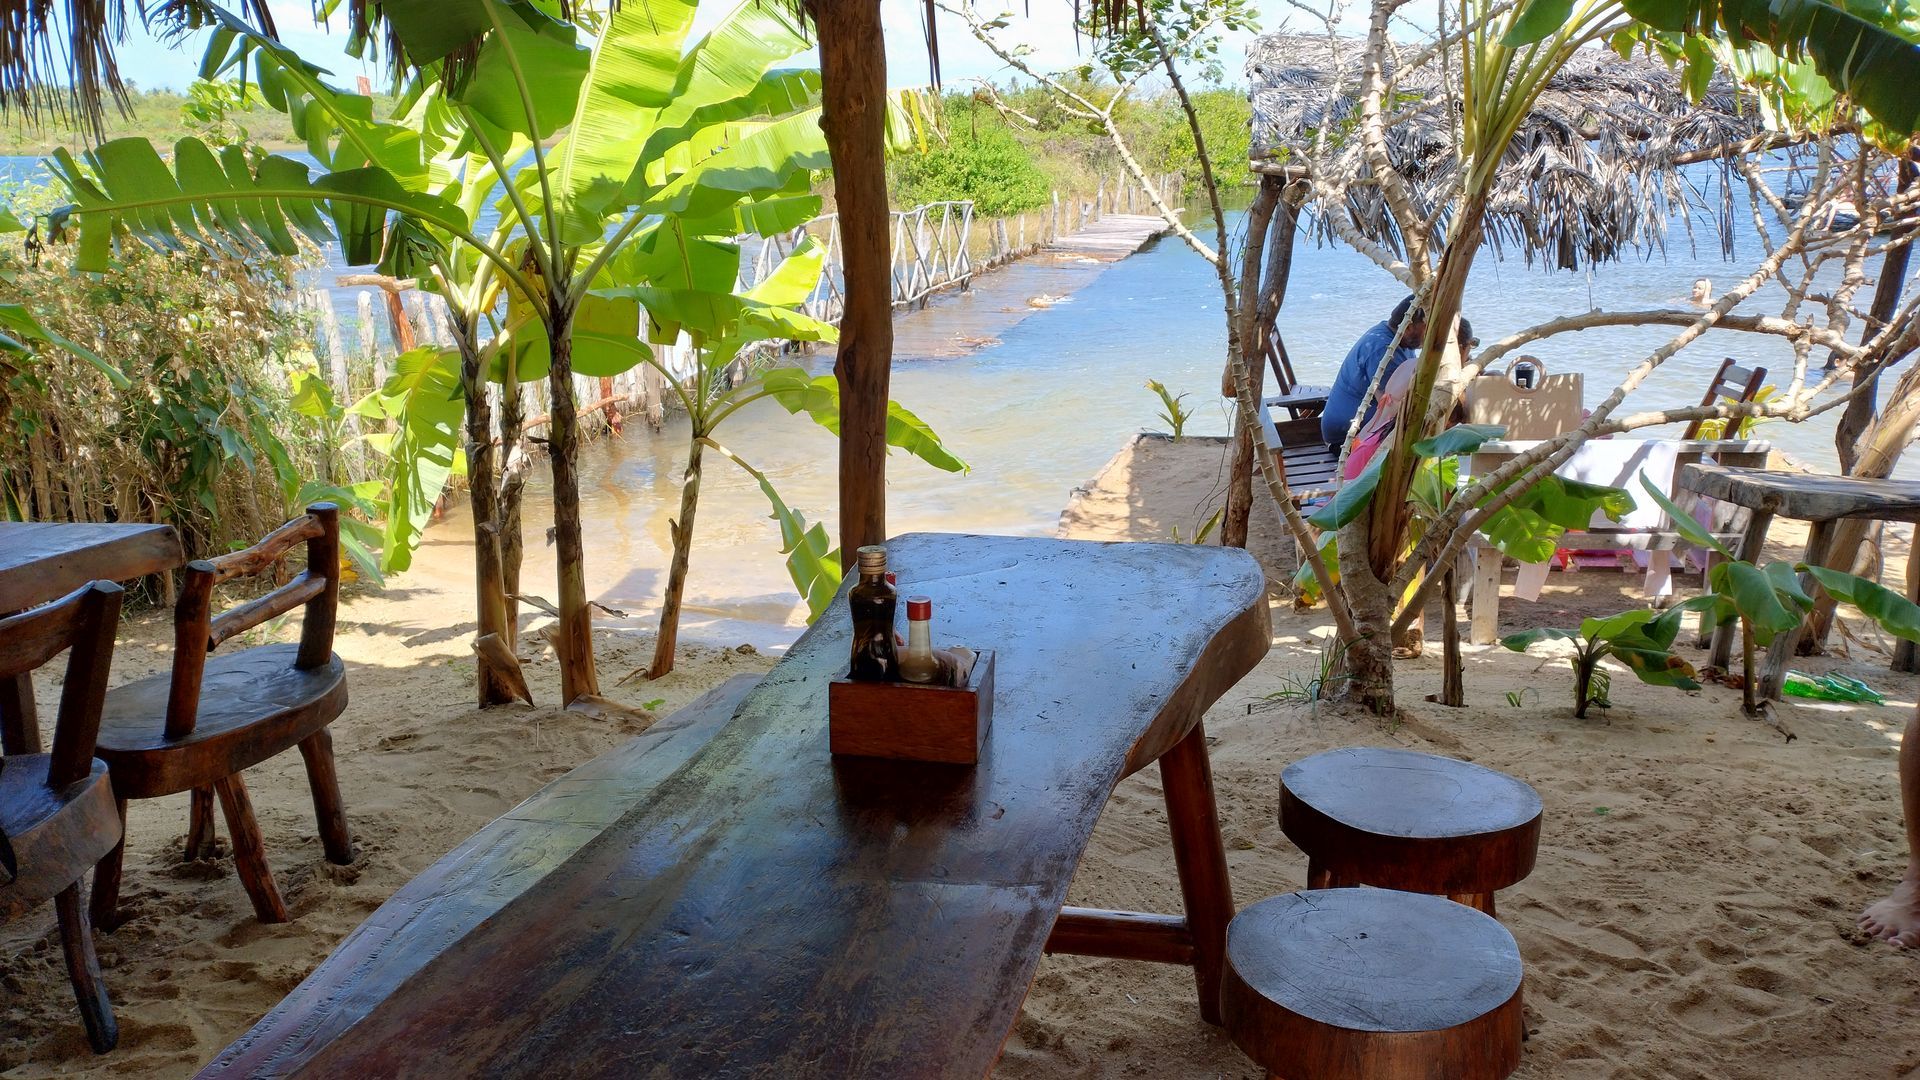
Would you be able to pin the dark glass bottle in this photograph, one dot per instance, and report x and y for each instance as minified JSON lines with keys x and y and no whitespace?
{"x":872,"y":603}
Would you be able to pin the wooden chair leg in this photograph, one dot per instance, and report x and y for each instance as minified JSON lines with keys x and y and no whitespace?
{"x":200,"y":824}
{"x":1480,"y":901}
{"x":19,"y":726}
{"x":105,"y":904}
{"x":83,"y":968}
{"x":1484,"y":627}
{"x":328,"y":808}
{"x":1319,"y":877}
{"x":249,"y":853}
{"x":1201,"y":858}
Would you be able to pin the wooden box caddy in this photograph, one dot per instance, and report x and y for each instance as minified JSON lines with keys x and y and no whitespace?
{"x":912,"y":721}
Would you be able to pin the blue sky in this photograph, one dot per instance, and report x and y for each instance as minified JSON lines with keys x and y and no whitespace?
{"x":1048,"y":31}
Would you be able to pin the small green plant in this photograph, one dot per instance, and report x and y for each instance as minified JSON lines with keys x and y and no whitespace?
{"x":653,"y":705}
{"x":1768,"y":601}
{"x":1642,"y":640}
{"x":1306,"y":690}
{"x":1518,"y":698}
{"x":1175,"y":414}
{"x":1201,"y":531}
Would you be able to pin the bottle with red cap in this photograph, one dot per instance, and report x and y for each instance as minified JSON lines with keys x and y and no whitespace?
{"x":917,"y":663}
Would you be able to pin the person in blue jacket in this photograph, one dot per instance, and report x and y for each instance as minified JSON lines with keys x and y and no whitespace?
{"x":1378,"y":345}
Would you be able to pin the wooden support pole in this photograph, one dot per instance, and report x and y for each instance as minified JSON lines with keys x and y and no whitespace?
{"x":853,"y":77}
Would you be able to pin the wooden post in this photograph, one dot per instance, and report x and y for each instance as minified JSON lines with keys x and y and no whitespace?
{"x":1906,"y":656}
{"x":853,"y":77}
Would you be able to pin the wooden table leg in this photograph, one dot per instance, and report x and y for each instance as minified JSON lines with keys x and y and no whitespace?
{"x":19,"y":727}
{"x":1782,"y":649}
{"x":1201,"y":859}
{"x":1752,"y":543}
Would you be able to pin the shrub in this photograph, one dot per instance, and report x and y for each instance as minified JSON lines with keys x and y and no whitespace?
{"x":203,"y":437}
{"x":984,"y":164}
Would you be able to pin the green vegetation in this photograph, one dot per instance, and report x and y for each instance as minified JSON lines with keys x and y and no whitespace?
{"x":185,"y":395}
{"x":986,"y":165}
{"x":1012,"y":161}
{"x":1642,"y":640}
{"x":1174,"y":411}
{"x":214,"y":111}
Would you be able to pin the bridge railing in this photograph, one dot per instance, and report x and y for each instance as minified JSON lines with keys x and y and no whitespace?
{"x":940,"y":245}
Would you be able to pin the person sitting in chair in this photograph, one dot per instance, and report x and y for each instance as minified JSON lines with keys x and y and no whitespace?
{"x":1379,"y":345}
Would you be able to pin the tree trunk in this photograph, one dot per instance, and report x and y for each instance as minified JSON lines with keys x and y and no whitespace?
{"x":682,"y":532}
{"x":1886,"y":299}
{"x":1582,"y":686}
{"x":575,"y":643}
{"x":513,"y":482}
{"x":853,"y":78}
{"x":1233,"y":531}
{"x":1367,"y":662}
{"x":494,"y":687}
{"x":1453,"y":686}
{"x":1890,"y":434}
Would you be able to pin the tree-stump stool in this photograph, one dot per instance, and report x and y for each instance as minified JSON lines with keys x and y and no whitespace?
{"x":1404,"y":820}
{"x":1372,"y":984}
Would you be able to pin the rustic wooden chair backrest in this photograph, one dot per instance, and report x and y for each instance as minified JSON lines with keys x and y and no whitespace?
{"x":83,"y":623}
{"x":1280,"y":362}
{"x":1741,"y":384}
{"x":198,"y":631}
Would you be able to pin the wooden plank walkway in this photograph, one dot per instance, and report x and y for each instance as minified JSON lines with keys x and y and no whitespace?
{"x":1113,"y":237}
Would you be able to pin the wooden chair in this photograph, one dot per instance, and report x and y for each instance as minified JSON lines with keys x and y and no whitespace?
{"x":1404,"y":820}
{"x":1372,"y":984}
{"x":198,"y":727}
{"x":1731,"y":382}
{"x":57,"y":809}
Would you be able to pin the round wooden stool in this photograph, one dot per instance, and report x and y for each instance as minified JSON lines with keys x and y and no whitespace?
{"x":1404,"y":820}
{"x":1372,"y":984}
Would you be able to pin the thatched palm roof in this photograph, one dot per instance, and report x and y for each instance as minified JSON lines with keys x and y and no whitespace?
{"x":1596,"y":169}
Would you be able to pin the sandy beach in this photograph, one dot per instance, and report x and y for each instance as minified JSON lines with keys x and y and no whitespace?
{"x":1691,"y":916}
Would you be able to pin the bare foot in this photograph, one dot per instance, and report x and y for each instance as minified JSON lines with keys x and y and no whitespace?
{"x":1897,"y":918}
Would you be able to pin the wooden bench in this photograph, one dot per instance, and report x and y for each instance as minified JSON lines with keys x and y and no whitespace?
{"x":1311,"y":465}
{"x":1821,"y":500}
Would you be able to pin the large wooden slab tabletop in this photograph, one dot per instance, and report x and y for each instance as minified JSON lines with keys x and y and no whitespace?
{"x":770,"y":911}
{"x":43,"y":561}
{"x":1805,"y":496}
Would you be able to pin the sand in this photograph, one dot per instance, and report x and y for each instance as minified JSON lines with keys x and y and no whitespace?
{"x":1692,"y":913}
{"x":420,"y":769}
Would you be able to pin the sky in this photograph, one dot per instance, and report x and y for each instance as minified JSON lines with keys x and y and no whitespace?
{"x":1045,"y":26}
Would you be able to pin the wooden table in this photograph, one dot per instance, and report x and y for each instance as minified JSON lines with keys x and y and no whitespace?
{"x":43,"y":561}
{"x":760,"y":908}
{"x":1819,"y":499}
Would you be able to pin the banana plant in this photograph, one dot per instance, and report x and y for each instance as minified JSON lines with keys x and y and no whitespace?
{"x":1770,"y":600}
{"x":1642,"y":640}
{"x":666,"y":151}
{"x":721,"y":332}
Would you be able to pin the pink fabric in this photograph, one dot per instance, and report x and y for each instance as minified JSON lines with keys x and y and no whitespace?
{"x":1363,"y":450}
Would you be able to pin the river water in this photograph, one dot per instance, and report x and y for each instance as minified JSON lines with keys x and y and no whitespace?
{"x":1037,"y":398}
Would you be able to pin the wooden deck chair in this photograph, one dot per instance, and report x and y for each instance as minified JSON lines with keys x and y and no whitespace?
{"x":1731,"y":383}
{"x":196,"y":728}
{"x":1299,"y":401}
{"x":1310,"y":463}
{"x":57,"y":808}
